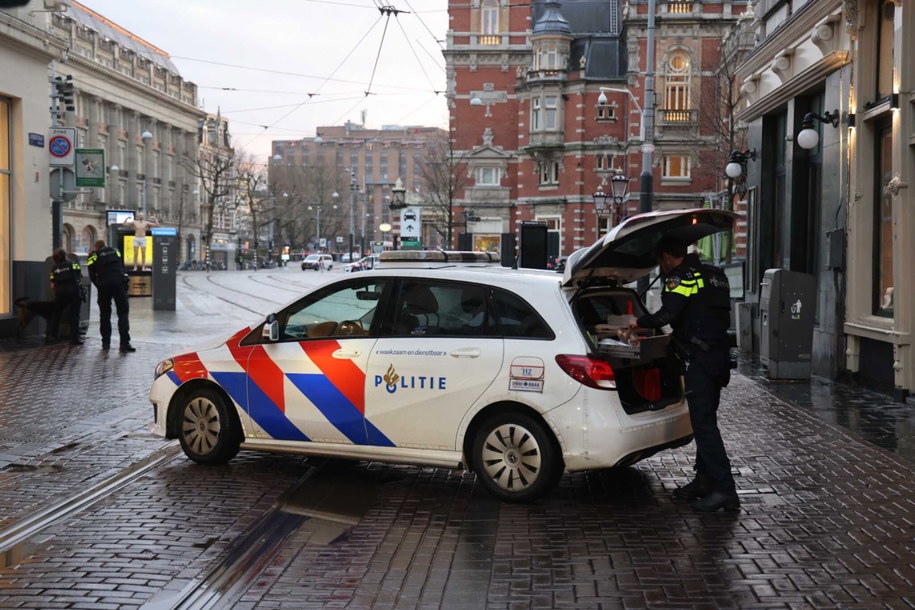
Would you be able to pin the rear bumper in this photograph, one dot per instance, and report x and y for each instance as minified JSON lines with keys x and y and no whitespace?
{"x":600,"y":434}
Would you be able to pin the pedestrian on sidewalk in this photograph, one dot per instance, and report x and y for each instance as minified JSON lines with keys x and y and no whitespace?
{"x":106,"y":270}
{"x":695,"y":301}
{"x":65,"y":278}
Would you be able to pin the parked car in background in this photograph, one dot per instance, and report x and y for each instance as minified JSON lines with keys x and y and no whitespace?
{"x":363,"y":264}
{"x":317,"y":261}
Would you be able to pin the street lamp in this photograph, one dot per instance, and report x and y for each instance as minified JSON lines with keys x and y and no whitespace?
{"x":353,"y":188}
{"x":147,"y":136}
{"x":398,"y":196}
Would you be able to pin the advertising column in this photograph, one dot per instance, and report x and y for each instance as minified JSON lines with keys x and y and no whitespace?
{"x":165,"y":268}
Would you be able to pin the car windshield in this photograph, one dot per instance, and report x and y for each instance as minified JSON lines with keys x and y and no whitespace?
{"x":312,"y":257}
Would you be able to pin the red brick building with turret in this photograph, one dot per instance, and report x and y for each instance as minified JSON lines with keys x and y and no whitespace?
{"x":525,"y":118}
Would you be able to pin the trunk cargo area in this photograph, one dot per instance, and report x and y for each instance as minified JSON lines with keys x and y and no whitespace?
{"x":648,"y":375}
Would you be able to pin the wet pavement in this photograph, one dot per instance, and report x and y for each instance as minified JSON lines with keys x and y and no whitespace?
{"x":824,"y":473}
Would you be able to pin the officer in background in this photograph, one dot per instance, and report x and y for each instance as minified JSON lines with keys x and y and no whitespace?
{"x":696,"y":302}
{"x":65,"y":277}
{"x":106,"y":270}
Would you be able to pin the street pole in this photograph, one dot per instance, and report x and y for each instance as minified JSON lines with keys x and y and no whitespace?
{"x":646,"y":178}
{"x":143,"y":196}
{"x":352,"y":212}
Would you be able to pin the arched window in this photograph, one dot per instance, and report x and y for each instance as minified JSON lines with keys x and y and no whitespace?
{"x":489,"y":26}
{"x":676,"y":87}
{"x":87,"y":239}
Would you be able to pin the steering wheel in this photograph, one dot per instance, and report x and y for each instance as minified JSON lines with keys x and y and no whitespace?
{"x":349,"y":327}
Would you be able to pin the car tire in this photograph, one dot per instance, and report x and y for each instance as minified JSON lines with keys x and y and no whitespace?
{"x":515,"y":457}
{"x":209,"y":431}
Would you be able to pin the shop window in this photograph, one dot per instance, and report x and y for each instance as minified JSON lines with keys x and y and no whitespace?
{"x":883,"y":224}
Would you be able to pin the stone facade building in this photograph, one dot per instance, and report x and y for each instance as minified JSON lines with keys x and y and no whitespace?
{"x":837,"y":206}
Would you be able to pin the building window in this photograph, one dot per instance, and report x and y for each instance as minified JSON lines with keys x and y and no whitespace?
{"x":547,"y":58}
{"x":490,"y":23}
{"x":885,"y":33}
{"x":676,"y":166}
{"x":536,"y":124}
{"x":551,"y":111}
{"x":676,"y":88}
{"x":549,"y":173}
{"x":606,"y":113}
{"x":488,"y":176}
{"x":883,"y":223}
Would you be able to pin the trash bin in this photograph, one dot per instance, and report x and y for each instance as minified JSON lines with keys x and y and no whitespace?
{"x":787,"y":302}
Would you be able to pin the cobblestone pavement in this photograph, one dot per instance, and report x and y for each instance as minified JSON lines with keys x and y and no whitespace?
{"x":826,"y":521}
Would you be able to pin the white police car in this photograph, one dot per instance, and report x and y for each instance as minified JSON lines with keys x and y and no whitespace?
{"x":447,"y":359}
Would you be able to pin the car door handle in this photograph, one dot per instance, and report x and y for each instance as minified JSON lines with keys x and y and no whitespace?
{"x":345,"y":354}
{"x":466,"y":352}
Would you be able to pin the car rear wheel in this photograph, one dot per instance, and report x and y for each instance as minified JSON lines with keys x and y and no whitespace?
{"x":516,"y":458}
{"x":209,"y":432}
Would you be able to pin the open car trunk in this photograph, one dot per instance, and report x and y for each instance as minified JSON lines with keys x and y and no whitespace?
{"x":648,"y":376}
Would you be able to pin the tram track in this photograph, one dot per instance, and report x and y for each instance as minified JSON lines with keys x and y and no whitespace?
{"x":184,"y":279}
{"x":55,"y":512}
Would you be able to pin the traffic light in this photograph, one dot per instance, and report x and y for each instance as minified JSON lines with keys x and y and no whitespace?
{"x":63,"y":94}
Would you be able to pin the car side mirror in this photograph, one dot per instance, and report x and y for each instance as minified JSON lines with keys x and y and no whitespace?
{"x":271,"y":329}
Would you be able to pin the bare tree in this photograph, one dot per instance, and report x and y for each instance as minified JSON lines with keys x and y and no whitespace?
{"x":214,"y":169}
{"x":444,"y":175}
{"x":251,"y":181}
{"x":300,"y":192}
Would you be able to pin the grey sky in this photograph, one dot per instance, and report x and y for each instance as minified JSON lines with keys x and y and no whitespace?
{"x":316,"y":39}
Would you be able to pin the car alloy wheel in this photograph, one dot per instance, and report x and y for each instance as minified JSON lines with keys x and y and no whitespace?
{"x":515,"y":457}
{"x":209,"y":434}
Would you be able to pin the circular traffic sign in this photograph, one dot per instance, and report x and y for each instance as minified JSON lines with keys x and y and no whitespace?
{"x":60,"y":146}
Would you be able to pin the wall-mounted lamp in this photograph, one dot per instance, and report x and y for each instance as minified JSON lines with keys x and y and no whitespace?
{"x":894,"y":101}
{"x":738,"y":160}
{"x":114,"y":169}
{"x":476,"y":101}
{"x":146,"y":135}
{"x":851,"y":119}
{"x":808,"y":138}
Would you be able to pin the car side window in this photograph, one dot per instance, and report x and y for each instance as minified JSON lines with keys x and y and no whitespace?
{"x":516,"y":318}
{"x":430,"y":308}
{"x":340,"y":310}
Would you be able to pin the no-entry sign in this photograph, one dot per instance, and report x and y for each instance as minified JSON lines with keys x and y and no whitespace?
{"x":61,"y":146}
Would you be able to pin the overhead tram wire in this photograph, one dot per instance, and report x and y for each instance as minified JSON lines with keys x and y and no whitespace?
{"x":413,"y":11}
{"x":412,"y":50}
{"x":324,"y":82}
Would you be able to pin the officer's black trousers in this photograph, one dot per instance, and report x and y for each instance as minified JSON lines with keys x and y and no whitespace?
{"x":69,"y":300}
{"x":706,"y":374}
{"x":117,"y":293}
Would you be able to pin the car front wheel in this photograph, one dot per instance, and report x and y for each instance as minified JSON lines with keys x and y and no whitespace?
{"x":516,"y":458}
{"x":209,"y":432}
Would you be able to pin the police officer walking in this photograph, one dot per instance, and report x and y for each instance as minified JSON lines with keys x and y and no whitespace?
{"x":65,"y":277}
{"x":106,"y":270}
{"x":695,"y":301}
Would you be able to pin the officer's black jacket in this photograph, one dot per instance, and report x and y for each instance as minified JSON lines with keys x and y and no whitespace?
{"x":66,"y":276}
{"x":106,"y":268}
{"x":696,"y":302}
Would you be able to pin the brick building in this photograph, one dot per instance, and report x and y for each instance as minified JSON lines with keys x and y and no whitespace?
{"x":524,"y":87}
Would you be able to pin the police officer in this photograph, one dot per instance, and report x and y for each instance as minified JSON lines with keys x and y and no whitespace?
{"x":106,"y":270}
{"x":695,"y":301}
{"x":65,"y":277}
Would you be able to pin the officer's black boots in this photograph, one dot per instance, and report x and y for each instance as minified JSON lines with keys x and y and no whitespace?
{"x":695,"y":489}
{"x":716,"y":500}
{"x":127,"y":348}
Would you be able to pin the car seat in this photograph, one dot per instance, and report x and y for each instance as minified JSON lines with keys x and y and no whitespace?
{"x":473,"y":303}
{"x":418,"y":307}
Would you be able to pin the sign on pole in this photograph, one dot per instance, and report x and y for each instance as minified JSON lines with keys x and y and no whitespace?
{"x":411,"y":223}
{"x":90,"y":167}
{"x":61,"y":146}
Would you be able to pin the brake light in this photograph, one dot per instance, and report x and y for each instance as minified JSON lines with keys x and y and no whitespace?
{"x":591,"y":372}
